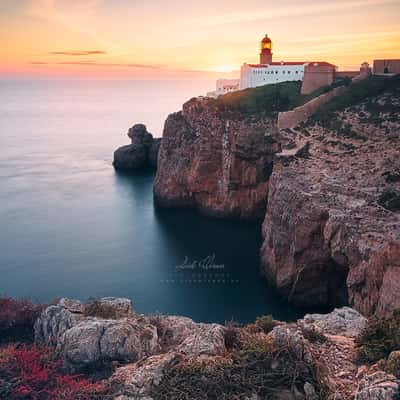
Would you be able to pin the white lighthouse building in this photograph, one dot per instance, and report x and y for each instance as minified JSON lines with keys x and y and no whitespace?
{"x":269,"y":72}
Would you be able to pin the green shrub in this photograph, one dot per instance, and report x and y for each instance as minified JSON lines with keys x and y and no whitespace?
{"x":379,"y":338}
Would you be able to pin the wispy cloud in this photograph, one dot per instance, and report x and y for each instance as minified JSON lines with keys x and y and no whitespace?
{"x":78,"y":52}
{"x":304,"y":9}
{"x":98,"y":64}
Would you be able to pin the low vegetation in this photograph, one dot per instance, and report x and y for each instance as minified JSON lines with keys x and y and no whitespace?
{"x":30,"y":372}
{"x":364,"y":90}
{"x":379,"y":338}
{"x":270,"y":98}
{"x":264,"y":324}
{"x":17,"y":318}
{"x":258,"y":370}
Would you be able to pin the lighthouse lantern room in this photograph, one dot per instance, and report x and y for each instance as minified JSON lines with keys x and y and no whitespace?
{"x":266,"y":51}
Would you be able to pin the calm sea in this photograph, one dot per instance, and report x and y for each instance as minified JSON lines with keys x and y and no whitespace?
{"x":71,"y":226}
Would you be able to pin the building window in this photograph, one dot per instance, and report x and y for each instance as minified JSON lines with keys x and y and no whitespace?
{"x":276,"y":72}
{"x":288,"y":72}
{"x":283,"y":72}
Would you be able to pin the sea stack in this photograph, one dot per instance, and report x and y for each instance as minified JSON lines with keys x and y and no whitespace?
{"x":141,"y":153}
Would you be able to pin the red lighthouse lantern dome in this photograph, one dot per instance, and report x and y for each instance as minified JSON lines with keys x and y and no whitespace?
{"x":266,"y":51}
{"x":266,"y":43}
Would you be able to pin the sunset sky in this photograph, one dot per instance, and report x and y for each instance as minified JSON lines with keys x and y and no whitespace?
{"x":161,"y":38}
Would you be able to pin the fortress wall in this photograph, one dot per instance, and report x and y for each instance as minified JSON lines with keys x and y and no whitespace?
{"x":289,"y":119}
{"x":317,"y":76}
{"x":393,"y":66}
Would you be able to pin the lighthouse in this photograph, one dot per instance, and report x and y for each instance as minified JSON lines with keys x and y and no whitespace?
{"x":266,"y":51}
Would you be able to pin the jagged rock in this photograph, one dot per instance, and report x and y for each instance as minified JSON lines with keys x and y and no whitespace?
{"x":343,"y":321}
{"x":118,"y":306}
{"x":184,"y":335}
{"x":74,"y":306}
{"x":53,"y":322}
{"x":141,"y":153}
{"x":216,"y":163}
{"x":93,"y":341}
{"x":206,"y":339}
{"x":290,"y":336}
{"x":327,"y":240}
{"x":378,"y":386}
{"x":136,"y":381}
{"x":56,"y":319}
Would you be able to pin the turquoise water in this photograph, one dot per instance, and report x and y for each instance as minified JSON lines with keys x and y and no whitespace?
{"x":71,"y":226}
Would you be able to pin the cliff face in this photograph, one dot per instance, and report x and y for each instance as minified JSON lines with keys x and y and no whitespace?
{"x":218,"y":162}
{"x":332,"y":226}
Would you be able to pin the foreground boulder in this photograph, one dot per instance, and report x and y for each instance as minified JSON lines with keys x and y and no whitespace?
{"x":100,"y":331}
{"x":141,"y":153}
{"x":92,"y":342}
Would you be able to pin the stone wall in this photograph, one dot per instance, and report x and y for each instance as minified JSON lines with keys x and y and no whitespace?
{"x":289,"y":119}
{"x":317,"y":75}
{"x":387,"y":66}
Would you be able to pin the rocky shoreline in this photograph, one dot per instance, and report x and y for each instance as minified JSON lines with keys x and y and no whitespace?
{"x":171,"y":357}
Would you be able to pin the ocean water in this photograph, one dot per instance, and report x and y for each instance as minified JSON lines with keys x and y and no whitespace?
{"x":72,"y":226}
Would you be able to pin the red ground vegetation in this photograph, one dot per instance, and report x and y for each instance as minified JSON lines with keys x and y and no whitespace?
{"x":17,"y":318}
{"x":28,"y":372}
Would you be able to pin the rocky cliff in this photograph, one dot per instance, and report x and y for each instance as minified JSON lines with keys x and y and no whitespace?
{"x":216,"y":161}
{"x":332,"y":226}
{"x":141,"y":153}
{"x":328,"y":190}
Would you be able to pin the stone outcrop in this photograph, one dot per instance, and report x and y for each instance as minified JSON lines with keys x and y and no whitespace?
{"x":218,"y":162}
{"x":327,"y":238}
{"x":141,"y":153}
{"x":343,"y":321}
{"x":149,"y":357}
{"x":107,"y":329}
{"x":378,"y":386}
{"x":94,"y":341}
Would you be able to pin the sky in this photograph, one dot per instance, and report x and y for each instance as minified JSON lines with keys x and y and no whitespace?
{"x":176,"y":38}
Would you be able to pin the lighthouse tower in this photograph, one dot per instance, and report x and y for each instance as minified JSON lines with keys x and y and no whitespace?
{"x":266,"y":51}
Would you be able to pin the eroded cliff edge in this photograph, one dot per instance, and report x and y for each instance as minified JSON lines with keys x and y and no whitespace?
{"x":332,"y":227}
{"x":216,"y":161}
{"x":332,"y":224}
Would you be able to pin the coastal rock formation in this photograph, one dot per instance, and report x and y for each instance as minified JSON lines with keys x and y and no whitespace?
{"x":93,"y":341}
{"x":328,"y":237}
{"x":141,"y":153}
{"x":218,"y":162}
{"x":343,"y":321}
{"x":107,"y":329}
{"x":161,"y":357}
